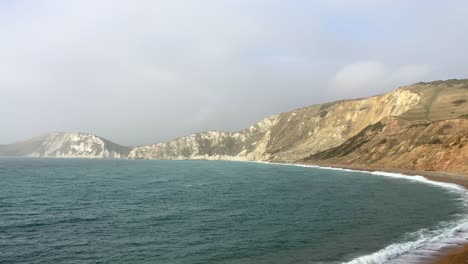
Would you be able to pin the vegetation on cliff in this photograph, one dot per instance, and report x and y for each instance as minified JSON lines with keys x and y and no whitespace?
{"x":423,"y":126}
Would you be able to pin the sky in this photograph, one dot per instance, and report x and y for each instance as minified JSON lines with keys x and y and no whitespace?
{"x":141,"y":72}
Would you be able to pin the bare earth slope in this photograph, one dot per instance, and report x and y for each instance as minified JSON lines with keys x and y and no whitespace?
{"x":395,"y":143}
{"x":433,"y":136}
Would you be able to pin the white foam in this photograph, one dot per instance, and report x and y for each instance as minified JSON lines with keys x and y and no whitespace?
{"x":427,"y":243}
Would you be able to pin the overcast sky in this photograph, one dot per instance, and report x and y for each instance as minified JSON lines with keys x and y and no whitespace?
{"x":140,"y":72}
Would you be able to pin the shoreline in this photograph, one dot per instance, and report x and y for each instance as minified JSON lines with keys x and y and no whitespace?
{"x":458,"y":178}
{"x":452,"y":255}
{"x":447,"y":255}
{"x":455,"y":256}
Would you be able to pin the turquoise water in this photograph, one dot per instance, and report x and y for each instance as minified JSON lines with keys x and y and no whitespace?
{"x":124,"y":211}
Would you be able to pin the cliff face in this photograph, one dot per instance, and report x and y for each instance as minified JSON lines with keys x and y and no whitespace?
{"x":249,"y":144}
{"x":66,"y":145}
{"x":418,"y":127}
{"x":298,"y":134}
{"x":395,"y":143}
{"x":288,"y":136}
{"x":433,"y":135}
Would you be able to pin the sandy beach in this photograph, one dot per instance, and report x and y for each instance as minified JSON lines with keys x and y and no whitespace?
{"x":459,"y":178}
{"x":457,"y":255}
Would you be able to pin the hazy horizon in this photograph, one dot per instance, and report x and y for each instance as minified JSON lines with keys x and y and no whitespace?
{"x":194,"y":132}
{"x":146,"y":72}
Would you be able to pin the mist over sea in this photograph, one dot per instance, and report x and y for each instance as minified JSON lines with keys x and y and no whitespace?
{"x":136,"y":211}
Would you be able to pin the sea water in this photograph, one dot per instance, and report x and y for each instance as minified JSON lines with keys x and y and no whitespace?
{"x":135,"y":211}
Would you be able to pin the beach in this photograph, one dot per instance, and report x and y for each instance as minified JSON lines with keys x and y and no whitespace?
{"x":460,"y":178}
{"x":456,"y":255}
{"x":150,"y":211}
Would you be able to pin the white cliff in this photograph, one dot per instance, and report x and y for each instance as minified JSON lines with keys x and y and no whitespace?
{"x":66,"y":145}
{"x":288,"y":136}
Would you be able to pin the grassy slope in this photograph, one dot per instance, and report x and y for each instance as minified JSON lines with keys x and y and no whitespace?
{"x":431,"y":136}
{"x":440,"y":100}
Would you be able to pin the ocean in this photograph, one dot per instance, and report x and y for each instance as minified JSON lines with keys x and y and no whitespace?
{"x":141,"y":211}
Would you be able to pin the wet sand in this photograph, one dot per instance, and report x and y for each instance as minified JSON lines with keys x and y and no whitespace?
{"x":457,"y":255}
{"x":441,"y":176}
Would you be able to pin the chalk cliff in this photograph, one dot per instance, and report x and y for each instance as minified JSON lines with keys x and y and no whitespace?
{"x":289,"y":136}
{"x":423,"y":126}
{"x":66,"y":145}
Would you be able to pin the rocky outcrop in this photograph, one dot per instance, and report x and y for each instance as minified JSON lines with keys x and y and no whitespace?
{"x":66,"y":145}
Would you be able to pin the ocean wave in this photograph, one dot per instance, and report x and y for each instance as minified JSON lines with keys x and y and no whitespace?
{"x":426,"y":243}
{"x":426,"y":246}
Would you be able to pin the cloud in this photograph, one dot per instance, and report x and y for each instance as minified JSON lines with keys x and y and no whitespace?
{"x":411,"y":73}
{"x":138,"y":72}
{"x":373,"y":77}
{"x":359,"y":77}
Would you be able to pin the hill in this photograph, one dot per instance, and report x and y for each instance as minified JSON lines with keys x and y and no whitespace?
{"x":66,"y":145}
{"x":423,"y":126}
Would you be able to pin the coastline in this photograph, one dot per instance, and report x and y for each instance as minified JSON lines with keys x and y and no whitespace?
{"x":453,"y":255}
{"x":458,"y":178}
{"x":456,"y":256}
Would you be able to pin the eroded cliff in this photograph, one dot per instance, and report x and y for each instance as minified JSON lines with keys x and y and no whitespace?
{"x":66,"y":145}
{"x":417,"y":127}
{"x":395,"y":143}
{"x":288,"y":136}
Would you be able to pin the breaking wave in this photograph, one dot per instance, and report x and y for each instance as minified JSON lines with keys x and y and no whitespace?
{"x":423,"y":244}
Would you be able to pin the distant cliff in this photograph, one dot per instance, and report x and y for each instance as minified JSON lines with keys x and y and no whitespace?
{"x":288,"y":136}
{"x":421,"y":126}
{"x":417,"y":127}
{"x":66,"y":145}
